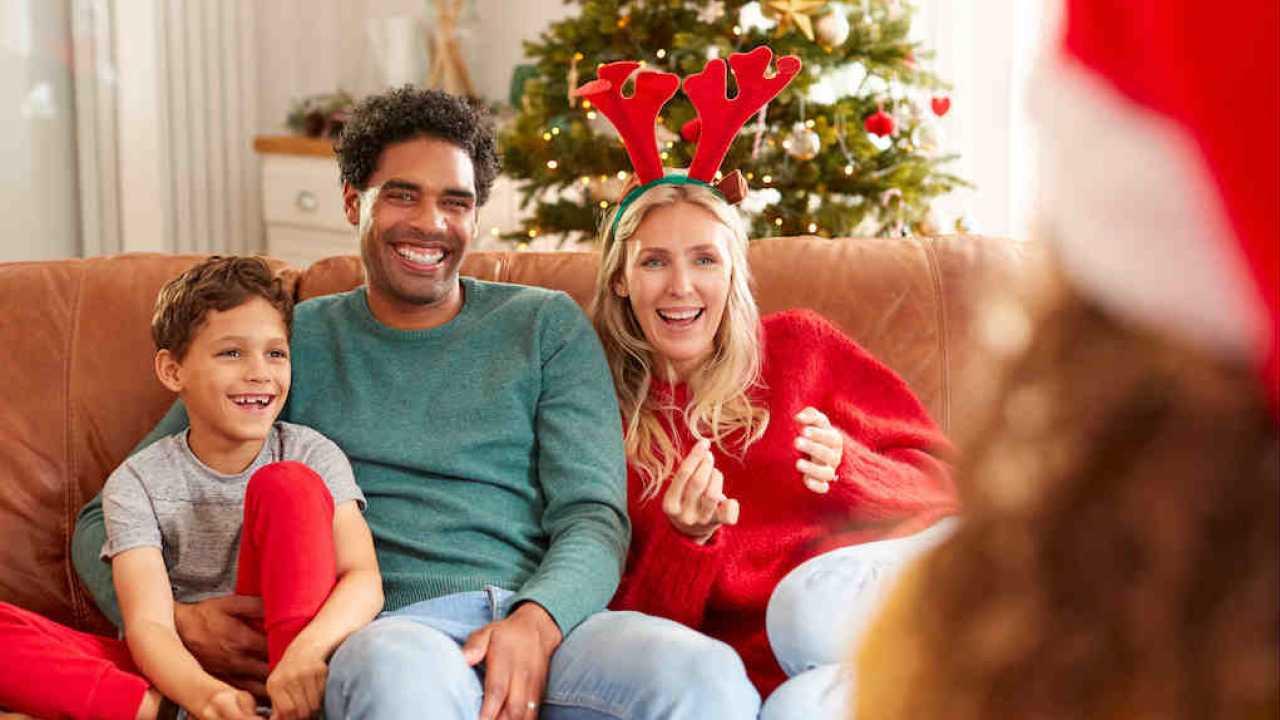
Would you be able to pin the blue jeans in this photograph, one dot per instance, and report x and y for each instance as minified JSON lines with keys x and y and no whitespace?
{"x":618,"y":665}
{"x":819,"y":613}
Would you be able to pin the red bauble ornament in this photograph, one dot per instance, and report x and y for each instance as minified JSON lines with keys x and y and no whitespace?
{"x":879,"y":123}
{"x":691,"y":130}
{"x":941,"y":105}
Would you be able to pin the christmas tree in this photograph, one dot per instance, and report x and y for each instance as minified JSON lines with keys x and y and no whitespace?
{"x":848,"y":148}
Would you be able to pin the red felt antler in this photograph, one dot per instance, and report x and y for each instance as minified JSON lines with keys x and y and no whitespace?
{"x":635,"y":117}
{"x":721,"y":117}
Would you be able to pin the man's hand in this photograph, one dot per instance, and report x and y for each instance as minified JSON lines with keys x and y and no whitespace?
{"x":226,"y":703}
{"x":296,"y":686}
{"x":516,"y":654}
{"x":218,"y":632}
{"x":695,"y":502}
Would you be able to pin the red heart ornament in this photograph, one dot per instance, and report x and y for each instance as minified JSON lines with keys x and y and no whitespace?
{"x":941,"y":105}
{"x":691,"y":130}
{"x":879,"y":123}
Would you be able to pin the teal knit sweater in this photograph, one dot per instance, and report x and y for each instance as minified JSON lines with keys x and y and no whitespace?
{"x":489,"y":448}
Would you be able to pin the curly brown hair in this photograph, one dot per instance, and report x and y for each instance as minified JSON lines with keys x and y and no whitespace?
{"x":1119,"y":556}
{"x":219,"y":283}
{"x":408,"y":112}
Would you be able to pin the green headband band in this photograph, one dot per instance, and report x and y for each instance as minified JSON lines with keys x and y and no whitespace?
{"x":664,"y":180}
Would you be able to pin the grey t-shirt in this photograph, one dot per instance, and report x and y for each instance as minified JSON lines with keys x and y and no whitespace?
{"x":164,"y":497}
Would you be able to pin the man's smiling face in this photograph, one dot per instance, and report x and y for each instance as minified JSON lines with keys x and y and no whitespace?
{"x":413,"y":237}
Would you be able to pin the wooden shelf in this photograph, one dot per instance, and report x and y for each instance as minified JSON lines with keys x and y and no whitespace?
{"x":293,"y":145}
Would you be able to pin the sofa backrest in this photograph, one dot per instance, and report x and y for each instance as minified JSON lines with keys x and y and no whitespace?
{"x":77,"y":389}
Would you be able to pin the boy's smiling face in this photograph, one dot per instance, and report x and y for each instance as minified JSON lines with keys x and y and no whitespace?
{"x":234,"y":380}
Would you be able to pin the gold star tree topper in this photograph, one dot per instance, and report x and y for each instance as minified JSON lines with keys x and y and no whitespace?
{"x":795,"y":12}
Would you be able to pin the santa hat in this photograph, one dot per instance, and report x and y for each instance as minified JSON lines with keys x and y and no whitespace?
{"x":1160,"y":151}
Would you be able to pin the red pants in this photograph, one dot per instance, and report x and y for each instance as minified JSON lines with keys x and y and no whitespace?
{"x":286,"y":557}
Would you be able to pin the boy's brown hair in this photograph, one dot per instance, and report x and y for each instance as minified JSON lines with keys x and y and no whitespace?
{"x":219,"y":283}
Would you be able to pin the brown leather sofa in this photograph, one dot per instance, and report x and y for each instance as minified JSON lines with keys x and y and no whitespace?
{"x":77,"y":389}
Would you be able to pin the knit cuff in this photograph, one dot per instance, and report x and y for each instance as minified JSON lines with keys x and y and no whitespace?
{"x":676,"y":573}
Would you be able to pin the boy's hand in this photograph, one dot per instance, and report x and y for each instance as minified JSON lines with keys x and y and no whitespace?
{"x":227,"y":703}
{"x":296,"y":686}
{"x":217,"y":633}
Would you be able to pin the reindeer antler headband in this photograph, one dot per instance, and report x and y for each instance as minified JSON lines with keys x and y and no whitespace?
{"x":635,"y":118}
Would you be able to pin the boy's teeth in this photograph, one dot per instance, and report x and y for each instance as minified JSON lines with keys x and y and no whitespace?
{"x":262,"y":400}
{"x":425,"y":257}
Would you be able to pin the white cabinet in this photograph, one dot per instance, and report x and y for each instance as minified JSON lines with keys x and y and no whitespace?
{"x":302,"y":204}
{"x":302,"y":209}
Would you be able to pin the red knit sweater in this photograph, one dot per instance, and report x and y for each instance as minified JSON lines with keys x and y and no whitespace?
{"x":891,"y":483}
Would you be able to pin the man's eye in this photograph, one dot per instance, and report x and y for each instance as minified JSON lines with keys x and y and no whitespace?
{"x":401,"y":196}
{"x":281,"y":354}
{"x":229,"y":353}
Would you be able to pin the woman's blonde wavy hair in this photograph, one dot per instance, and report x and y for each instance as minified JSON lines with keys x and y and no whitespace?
{"x":721,"y":405}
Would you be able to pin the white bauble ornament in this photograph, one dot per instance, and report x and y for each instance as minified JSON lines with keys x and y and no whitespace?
{"x":832,"y":29}
{"x":802,"y":143}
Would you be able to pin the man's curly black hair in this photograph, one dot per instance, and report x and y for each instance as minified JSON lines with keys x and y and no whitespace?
{"x":408,"y":112}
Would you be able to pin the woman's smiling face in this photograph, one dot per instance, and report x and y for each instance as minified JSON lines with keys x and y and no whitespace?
{"x":677,"y":276}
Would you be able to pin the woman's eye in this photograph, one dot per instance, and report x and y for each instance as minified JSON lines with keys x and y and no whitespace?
{"x":280,"y":354}
{"x":706,"y":260}
{"x":651,"y":263}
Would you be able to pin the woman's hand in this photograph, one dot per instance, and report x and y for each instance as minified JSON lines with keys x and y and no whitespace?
{"x":823,"y":444}
{"x":695,"y":502}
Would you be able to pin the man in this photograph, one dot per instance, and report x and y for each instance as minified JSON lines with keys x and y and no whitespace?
{"x":482,"y":427}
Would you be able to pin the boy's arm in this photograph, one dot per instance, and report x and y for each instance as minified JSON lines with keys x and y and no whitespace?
{"x":298,"y":680}
{"x":146,"y":604}
{"x":91,"y":529}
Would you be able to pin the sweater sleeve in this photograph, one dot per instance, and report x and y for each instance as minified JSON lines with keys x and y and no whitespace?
{"x":668,"y":574}
{"x":894,"y":466}
{"x":581,"y":469}
{"x":91,"y":530}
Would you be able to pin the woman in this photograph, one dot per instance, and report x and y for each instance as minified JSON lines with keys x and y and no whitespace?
{"x":752,"y":445}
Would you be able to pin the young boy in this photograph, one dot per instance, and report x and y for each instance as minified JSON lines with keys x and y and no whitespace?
{"x":175,"y":513}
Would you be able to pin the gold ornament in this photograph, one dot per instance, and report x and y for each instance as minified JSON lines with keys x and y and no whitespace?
{"x":797,"y":12}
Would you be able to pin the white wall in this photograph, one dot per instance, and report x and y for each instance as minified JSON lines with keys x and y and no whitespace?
{"x":38,"y":195}
{"x":986,"y":49}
